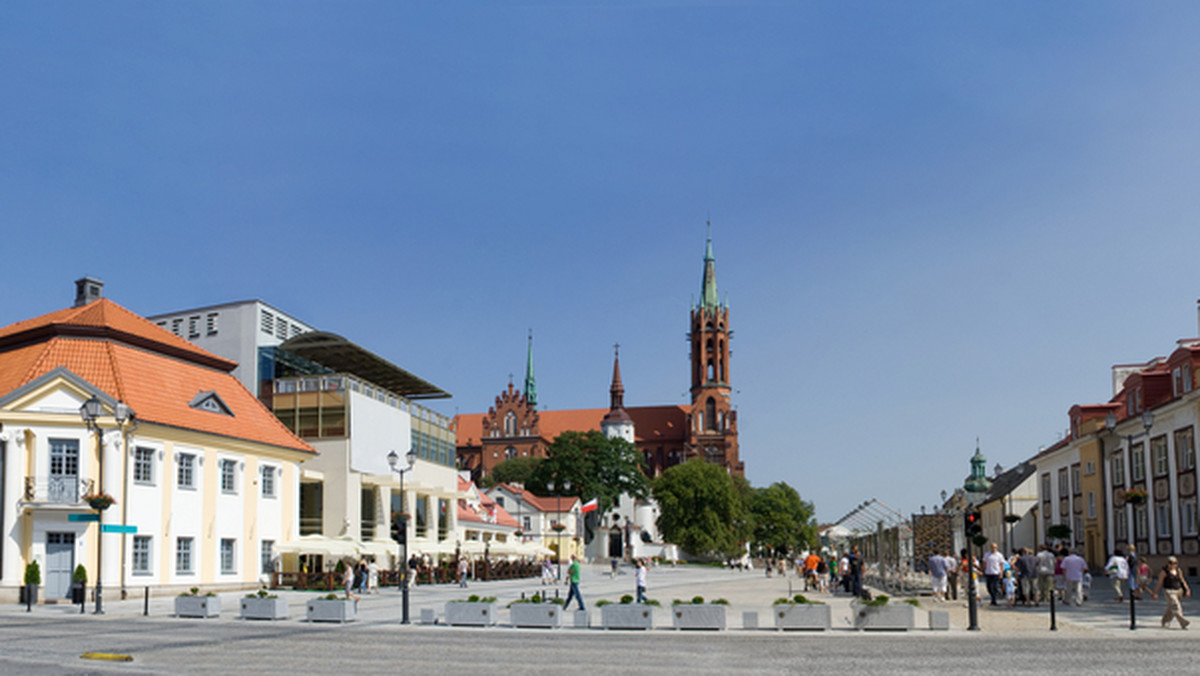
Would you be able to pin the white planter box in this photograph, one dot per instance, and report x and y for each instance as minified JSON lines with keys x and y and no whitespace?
{"x":939,"y":620}
{"x":708,"y":616}
{"x":802,"y":616}
{"x":332,"y":610}
{"x":264,"y":609}
{"x":471,"y":614}
{"x":543,"y":615}
{"x":627,"y":616}
{"x":197,"y":606}
{"x":892,"y":617}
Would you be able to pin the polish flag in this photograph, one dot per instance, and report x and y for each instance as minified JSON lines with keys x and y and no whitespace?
{"x":590,"y":506}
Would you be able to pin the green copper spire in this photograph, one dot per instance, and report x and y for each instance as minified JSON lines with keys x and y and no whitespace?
{"x":978,"y":481}
{"x":708,"y":287}
{"x":530,"y":383}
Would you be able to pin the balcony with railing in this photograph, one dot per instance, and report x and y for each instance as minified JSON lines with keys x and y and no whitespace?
{"x":57,"y":490}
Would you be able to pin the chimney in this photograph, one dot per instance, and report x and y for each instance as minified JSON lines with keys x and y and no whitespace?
{"x":88,"y":289}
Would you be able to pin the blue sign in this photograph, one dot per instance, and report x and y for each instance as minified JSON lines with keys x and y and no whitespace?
{"x":117,"y":528}
{"x":83,"y":517}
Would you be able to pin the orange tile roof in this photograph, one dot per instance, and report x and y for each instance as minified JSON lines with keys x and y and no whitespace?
{"x":650,"y":423}
{"x":149,"y":368}
{"x":548,"y":504}
{"x":486,"y":506}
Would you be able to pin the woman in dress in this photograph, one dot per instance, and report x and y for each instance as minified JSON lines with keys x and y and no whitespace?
{"x":1171,"y":580}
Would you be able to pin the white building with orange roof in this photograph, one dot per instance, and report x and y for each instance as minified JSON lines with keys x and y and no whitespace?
{"x":205,"y":479}
{"x":540,"y":519}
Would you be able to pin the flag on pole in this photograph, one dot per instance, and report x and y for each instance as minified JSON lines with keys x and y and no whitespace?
{"x":590,"y":506}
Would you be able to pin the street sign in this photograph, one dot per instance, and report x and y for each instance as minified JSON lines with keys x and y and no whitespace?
{"x":117,"y":528}
{"x":83,"y":517}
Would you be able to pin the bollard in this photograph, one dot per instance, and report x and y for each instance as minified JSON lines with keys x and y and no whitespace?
{"x":28,"y":599}
{"x":1053,"y":619}
{"x":146,"y":603}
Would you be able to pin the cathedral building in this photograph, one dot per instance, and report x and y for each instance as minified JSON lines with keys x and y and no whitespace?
{"x":666,"y":435}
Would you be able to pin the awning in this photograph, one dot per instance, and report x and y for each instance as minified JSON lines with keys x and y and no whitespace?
{"x":319,"y":544}
{"x":383,"y":551}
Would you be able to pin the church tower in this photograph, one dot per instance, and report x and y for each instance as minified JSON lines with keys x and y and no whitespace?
{"x":712,"y":422}
{"x":616,"y":422}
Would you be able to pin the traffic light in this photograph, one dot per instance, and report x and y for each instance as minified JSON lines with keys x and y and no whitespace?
{"x":399,"y":532}
{"x":973,"y":524}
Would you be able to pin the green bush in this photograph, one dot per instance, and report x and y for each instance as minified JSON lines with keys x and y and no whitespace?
{"x":881,"y":600}
{"x":80,"y":574}
{"x":652,"y":602}
{"x":720,"y":602}
{"x":697,"y":600}
{"x":603,"y":602}
{"x":33,"y":573}
{"x":627,"y":599}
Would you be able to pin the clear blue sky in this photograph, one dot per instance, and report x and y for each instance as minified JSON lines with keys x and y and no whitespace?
{"x":934,"y":221}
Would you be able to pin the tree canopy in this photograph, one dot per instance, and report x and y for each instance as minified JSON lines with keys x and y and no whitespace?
{"x":593,"y":465}
{"x":700,"y":509}
{"x":513,"y":470}
{"x":781,"y":519}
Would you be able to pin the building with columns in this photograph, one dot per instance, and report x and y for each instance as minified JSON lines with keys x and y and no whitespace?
{"x":205,"y":478}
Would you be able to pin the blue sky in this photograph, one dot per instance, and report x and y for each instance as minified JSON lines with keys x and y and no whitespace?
{"x":933,"y":221}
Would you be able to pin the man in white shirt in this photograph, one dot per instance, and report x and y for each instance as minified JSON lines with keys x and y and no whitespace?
{"x":1073,"y":569}
{"x":993,"y":569}
{"x":1118,"y":572}
{"x":1045,"y":570}
{"x":937,"y":575}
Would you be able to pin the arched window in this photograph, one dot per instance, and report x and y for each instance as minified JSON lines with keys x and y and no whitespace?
{"x":510,"y":453}
{"x":710,"y":413}
{"x":510,"y":424}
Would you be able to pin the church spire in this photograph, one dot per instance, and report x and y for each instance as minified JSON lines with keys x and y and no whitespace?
{"x":530,"y":382}
{"x":617,"y":391}
{"x":708,"y":286}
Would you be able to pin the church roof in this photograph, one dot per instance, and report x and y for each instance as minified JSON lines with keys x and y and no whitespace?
{"x":651,"y":423}
{"x":150,"y":369}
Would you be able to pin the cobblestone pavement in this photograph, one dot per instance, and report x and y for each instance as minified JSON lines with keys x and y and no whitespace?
{"x":1094,"y":638}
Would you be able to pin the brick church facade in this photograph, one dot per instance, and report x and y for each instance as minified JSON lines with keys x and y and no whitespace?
{"x":666,"y":435}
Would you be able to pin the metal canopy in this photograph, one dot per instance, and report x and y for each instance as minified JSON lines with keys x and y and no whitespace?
{"x":341,"y":355}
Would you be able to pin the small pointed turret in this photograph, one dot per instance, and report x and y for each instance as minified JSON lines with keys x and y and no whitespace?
{"x":616,"y":422}
{"x":530,"y":382}
{"x":709,"y":298}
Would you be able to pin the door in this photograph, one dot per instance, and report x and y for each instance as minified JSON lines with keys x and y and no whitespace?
{"x":60,"y":564}
{"x":64,"y":471}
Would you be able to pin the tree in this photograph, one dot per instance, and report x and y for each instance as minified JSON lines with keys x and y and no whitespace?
{"x":781,"y":519}
{"x":513,"y":470}
{"x":594,"y":465}
{"x":701,"y":509}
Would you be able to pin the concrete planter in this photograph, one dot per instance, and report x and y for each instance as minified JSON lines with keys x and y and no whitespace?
{"x":541,"y":615}
{"x":197,"y":606}
{"x":471,"y":614}
{"x":802,"y":617}
{"x":264,"y":609}
{"x":890,"y":617}
{"x":332,"y":610}
{"x":705,"y":616}
{"x":627,"y":616}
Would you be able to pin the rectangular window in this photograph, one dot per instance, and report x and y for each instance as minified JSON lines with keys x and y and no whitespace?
{"x":1091,"y":505}
{"x":1158,"y":452}
{"x":1075,"y":485}
{"x":227,"y":559}
{"x":267,"y":323}
{"x":210,"y":323}
{"x":194,"y":326}
{"x":1118,"y":470}
{"x":268,"y":481}
{"x":228,"y":474}
{"x":183,"y":556}
{"x":281,"y":328}
{"x":1137,"y":464}
{"x":1062,"y":483}
{"x":1187,"y":517}
{"x":1046,"y":488}
{"x":177,"y":326}
{"x":143,"y":465}
{"x":1077,"y":533}
{"x":268,"y":557}
{"x":1141,"y":522}
{"x":525,"y":525}
{"x":1187,"y":378}
{"x":140,"y":560}
{"x":1162,"y":519}
{"x":1176,"y":381}
{"x":1120,"y":527}
{"x":1185,"y":450}
{"x":185,"y":473}
{"x":1089,"y":468}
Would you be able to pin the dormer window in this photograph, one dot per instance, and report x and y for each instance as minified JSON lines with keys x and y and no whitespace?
{"x":211,"y":402}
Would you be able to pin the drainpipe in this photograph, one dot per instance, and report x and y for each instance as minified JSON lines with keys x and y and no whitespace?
{"x":126,"y":440}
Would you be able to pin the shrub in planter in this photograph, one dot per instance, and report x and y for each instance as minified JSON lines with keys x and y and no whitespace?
{"x":627,"y":614}
{"x":192,"y":604}
{"x":533,"y":612}
{"x":475,"y":611}
{"x":696,"y":614}
{"x":879,"y":614}
{"x":800,"y":613}
{"x":264,"y":606}
{"x":331,"y":608}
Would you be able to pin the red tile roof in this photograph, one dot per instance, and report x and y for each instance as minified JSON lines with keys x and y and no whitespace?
{"x":153,"y":371}
{"x":650,"y":423}
{"x":487,"y":512}
{"x":540,"y":503}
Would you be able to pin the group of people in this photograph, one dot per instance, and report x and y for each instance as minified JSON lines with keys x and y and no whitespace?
{"x":1027,"y":579}
{"x":361,"y":577}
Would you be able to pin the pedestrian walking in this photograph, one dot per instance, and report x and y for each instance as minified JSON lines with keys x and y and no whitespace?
{"x":951,"y":576}
{"x":1074,"y":568}
{"x":856,"y":567}
{"x":348,"y":581}
{"x":937,"y":576}
{"x":1010,"y":589}
{"x":1118,"y":574}
{"x":573,"y":581}
{"x":463,"y":568}
{"x":1027,"y":576}
{"x":372,"y":577}
{"x":993,"y":568}
{"x":640,"y":577}
{"x":1171,"y":582}
{"x":1046,"y":562}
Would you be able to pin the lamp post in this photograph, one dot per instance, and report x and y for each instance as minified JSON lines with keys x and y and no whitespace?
{"x":1110,"y":423}
{"x":393,"y":459}
{"x":558,"y":491}
{"x":90,"y":411}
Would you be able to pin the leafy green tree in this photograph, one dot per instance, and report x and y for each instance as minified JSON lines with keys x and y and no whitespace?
{"x":595,"y":466}
{"x":513,"y":470}
{"x":701,"y":509}
{"x":781,"y":519}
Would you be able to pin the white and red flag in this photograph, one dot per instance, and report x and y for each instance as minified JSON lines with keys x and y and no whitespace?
{"x":590,"y":506}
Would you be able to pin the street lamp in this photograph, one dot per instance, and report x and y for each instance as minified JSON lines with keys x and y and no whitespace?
{"x":393,"y":459}
{"x":562,"y":487}
{"x":1110,"y":423}
{"x":90,"y":411}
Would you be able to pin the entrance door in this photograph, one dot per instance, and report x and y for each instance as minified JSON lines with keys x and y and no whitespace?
{"x":60,"y":564}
